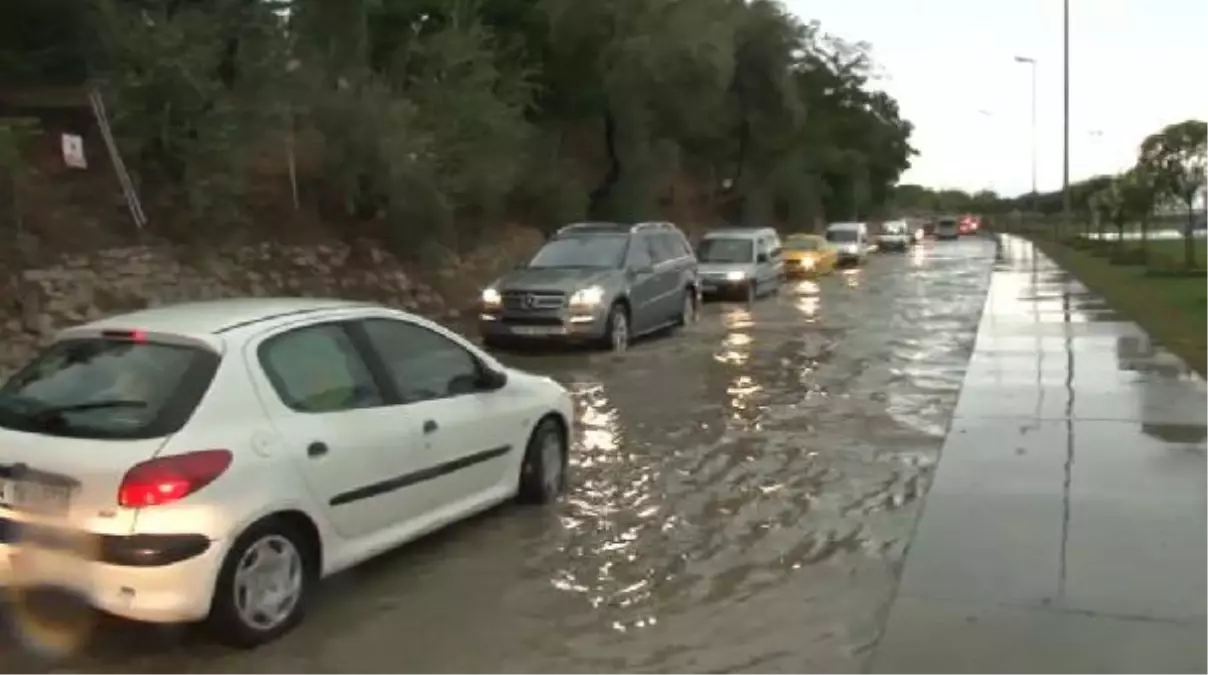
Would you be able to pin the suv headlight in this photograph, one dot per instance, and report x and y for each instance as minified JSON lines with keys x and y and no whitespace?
{"x":491,"y":297}
{"x":736,"y":275}
{"x":587,"y":297}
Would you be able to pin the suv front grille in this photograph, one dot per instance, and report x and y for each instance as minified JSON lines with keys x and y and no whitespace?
{"x":533,"y":300}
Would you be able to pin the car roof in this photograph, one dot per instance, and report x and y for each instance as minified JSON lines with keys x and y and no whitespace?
{"x":843,"y":226}
{"x":211,"y":317}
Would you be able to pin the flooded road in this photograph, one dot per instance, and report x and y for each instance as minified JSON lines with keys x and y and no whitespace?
{"x":741,"y":500}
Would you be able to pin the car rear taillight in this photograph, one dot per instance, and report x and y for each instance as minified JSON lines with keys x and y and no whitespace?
{"x":166,"y":479}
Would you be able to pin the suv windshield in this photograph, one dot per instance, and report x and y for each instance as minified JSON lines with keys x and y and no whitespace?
{"x":721,"y":250}
{"x":603,"y":251}
{"x":841,"y":236}
{"x":99,"y":388}
{"x":895,"y":228}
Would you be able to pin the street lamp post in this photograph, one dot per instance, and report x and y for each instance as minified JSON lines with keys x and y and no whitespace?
{"x":1035,"y":193}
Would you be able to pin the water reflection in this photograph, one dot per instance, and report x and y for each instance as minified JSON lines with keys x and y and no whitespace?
{"x":610,"y":509}
{"x":736,"y":345}
{"x":809,"y":300}
{"x":851,"y":276}
{"x":918,"y":255}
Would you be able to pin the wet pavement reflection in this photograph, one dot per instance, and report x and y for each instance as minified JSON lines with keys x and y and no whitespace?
{"x":742,"y":498}
{"x":1065,"y":530}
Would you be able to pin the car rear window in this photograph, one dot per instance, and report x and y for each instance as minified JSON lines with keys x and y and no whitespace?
{"x":108,"y":389}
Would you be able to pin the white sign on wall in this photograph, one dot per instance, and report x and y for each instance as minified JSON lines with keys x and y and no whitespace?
{"x":73,"y":151}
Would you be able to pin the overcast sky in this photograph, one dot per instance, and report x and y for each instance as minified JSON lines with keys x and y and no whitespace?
{"x":1135,"y":65}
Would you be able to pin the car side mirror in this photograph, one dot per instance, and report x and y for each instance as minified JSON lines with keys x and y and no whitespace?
{"x":762,"y":258}
{"x":491,"y":380}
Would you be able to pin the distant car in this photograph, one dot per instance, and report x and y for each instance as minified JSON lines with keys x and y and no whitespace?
{"x":895,"y":236}
{"x":213,"y":461}
{"x":602,"y":283}
{"x":740,"y":261}
{"x":808,"y":255}
{"x":947,"y":228}
{"x":969,"y":225}
{"x":850,"y":241}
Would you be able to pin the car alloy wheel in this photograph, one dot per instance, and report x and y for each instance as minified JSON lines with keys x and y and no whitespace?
{"x":618,"y":330}
{"x":543,"y":473}
{"x":268,"y":582}
{"x":264,"y":585}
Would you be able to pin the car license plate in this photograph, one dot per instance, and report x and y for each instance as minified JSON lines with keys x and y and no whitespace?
{"x":537,"y":330}
{"x":22,"y":495}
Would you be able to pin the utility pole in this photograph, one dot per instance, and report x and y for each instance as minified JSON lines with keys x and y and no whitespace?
{"x":1066,"y":210}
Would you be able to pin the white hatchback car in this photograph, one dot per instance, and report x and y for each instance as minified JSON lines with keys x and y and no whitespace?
{"x":213,"y":460}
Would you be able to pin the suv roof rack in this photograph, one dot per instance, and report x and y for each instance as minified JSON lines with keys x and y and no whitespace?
{"x":652,"y":225}
{"x":591,"y":227}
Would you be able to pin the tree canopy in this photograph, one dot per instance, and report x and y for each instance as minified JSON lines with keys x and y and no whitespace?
{"x":437,"y":117}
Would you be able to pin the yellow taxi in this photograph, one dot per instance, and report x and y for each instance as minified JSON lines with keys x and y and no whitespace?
{"x":807,"y":255}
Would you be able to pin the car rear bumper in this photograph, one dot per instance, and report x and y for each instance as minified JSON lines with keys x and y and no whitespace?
{"x":154,"y":578}
{"x":175,"y":593}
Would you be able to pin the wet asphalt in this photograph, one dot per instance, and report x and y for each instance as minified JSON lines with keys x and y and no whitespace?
{"x":742,"y":497}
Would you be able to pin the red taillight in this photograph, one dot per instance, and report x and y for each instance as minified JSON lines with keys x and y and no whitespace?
{"x":131,"y":335}
{"x":167,"y":479}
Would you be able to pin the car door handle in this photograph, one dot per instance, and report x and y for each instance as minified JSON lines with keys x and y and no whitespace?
{"x":316,"y":449}
{"x":430,"y":426}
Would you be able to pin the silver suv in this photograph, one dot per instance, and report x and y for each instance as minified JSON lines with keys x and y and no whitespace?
{"x":602,"y":283}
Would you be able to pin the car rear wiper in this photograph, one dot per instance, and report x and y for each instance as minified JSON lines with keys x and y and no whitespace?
{"x":90,"y":405}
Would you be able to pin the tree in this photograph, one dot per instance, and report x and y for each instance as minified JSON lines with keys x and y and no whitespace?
{"x":1177,"y":158}
{"x":432,"y":119}
{"x":1138,"y":195}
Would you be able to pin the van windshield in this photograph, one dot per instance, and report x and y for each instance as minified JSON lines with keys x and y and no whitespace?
{"x":842,"y":236}
{"x":112,"y":389}
{"x":726,"y":250}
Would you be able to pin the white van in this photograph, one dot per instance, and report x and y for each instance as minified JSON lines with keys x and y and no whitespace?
{"x":740,"y":260}
{"x":850,"y":241}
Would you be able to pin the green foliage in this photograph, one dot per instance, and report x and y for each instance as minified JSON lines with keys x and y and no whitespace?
{"x":436,"y":118}
{"x":1177,"y":157}
{"x":15,"y":132}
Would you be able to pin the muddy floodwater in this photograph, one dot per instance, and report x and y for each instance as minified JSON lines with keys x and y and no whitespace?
{"x":742,"y":497}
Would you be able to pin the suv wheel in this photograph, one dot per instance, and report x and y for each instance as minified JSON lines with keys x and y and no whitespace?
{"x":688,"y":315}
{"x":751,"y":292}
{"x":617,"y":331}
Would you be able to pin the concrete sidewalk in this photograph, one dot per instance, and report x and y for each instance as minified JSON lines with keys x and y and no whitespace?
{"x":1065,"y":530}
